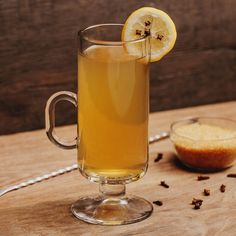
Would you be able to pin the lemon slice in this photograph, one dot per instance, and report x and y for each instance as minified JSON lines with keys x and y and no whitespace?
{"x":148,"y":21}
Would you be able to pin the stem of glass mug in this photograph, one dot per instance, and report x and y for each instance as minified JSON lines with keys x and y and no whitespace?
{"x":111,"y":190}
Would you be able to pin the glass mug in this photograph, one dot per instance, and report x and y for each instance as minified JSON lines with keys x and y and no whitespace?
{"x":113,"y":108}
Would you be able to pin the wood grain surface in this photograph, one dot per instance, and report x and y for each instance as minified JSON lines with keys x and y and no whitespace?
{"x":38,"y":54}
{"x":44,"y":209}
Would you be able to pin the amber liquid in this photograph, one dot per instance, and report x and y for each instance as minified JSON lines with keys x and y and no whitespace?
{"x":113,"y":105}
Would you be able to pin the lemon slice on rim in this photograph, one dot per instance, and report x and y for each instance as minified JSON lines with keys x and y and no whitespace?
{"x":148,"y":21}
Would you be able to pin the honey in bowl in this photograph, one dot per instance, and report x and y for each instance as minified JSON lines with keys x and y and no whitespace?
{"x":207,"y":144}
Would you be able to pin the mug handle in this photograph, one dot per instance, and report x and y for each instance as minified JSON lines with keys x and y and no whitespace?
{"x":50,"y":118}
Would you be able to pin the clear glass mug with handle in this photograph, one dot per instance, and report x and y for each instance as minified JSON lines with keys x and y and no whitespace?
{"x":113,"y":107}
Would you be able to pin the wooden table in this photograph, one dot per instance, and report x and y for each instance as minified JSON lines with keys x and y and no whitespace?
{"x":44,"y":208}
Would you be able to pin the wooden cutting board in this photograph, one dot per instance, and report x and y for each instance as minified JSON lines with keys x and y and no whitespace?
{"x":44,"y":208}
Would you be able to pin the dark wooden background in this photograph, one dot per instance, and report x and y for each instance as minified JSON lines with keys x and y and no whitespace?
{"x":38,"y":54}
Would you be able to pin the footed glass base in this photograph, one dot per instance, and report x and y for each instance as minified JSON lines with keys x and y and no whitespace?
{"x":112,"y":208}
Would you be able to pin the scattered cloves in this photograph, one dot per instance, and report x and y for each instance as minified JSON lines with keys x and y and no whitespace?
{"x":159,"y":157}
{"x":164,"y":184}
{"x":158,"y":203}
{"x":222,"y":188}
{"x":231,"y":175}
{"x":195,"y":200}
{"x":206,"y":192}
{"x":202,"y":177}
{"x":197,"y":203}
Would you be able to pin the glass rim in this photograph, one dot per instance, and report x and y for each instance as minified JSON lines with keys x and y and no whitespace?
{"x":195,"y":120}
{"x":107,"y":42}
